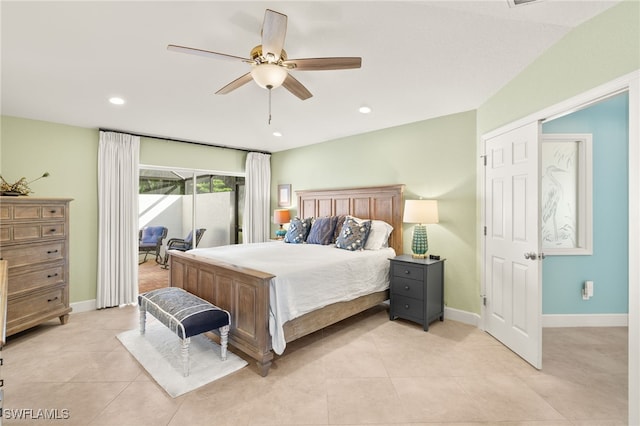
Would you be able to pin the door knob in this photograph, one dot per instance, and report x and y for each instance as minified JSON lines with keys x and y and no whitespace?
{"x":531,"y":256}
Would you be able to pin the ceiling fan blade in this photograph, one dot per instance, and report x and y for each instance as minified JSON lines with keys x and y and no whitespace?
{"x":274,"y":30}
{"x":320,"y":64}
{"x":205,"y":53}
{"x":240,"y":81}
{"x":295,"y":87}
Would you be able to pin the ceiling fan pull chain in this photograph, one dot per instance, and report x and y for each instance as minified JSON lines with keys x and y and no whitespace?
{"x":269,"y":105}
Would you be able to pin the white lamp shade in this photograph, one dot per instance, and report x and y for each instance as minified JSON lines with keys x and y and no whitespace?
{"x":420,"y":211}
{"x":269,"y":76}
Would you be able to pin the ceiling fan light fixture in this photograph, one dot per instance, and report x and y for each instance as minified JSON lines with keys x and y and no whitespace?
{"x":269,"y":76}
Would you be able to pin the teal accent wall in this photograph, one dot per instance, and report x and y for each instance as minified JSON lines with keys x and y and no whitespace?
{"x":563,"y":276}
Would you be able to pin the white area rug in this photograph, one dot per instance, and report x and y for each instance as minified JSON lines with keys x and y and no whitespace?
{"x":158,"y":350}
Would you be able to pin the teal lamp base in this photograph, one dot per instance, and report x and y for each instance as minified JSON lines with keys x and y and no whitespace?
{"x":280,"y":233}
{"x":420,"y":244}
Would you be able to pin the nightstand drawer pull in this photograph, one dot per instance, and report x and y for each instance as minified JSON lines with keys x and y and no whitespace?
{"x":52,"y":230}
{"x":408,"y":271}
{"x":52,"y":275}
{"x":51,"y":300}
{"x":51,"y":251}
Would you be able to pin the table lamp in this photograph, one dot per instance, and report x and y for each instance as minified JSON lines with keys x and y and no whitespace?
{"x":421,"y":212}
{"x":281,"y":216}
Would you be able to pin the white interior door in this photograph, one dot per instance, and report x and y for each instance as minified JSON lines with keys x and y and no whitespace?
{"x":513,"y":291}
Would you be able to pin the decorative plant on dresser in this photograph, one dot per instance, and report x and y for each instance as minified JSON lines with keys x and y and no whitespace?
{"x":34,"y":240}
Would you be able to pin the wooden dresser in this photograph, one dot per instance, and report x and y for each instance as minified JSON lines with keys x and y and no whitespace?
{"x":34,"y":240}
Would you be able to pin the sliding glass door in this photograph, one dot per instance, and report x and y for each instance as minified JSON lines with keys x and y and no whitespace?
{"x":185,"y":201}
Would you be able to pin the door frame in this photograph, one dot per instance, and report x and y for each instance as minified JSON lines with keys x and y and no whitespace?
{"x":631,"y":84}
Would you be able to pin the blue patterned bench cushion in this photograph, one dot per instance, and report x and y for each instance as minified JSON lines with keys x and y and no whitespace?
{"x":184,"y":313}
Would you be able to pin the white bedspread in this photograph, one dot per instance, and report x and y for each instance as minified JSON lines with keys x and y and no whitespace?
{"x":307,"y":276}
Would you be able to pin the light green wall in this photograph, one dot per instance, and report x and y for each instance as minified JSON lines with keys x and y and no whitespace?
{"x":596,"y":52}
{"x":160,"y":152}
{"x":70,"y":154}
{"x":433,"y":158}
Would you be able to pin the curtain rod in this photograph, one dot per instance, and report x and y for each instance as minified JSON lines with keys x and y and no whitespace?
{"x":162,"y":138}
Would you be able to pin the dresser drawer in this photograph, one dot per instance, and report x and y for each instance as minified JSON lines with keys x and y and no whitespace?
{"x":6,"y":212}
{"x":30,"y":231}
{"x":24,"y":255}
{"x":35,"y":305}
{"x":406,"y":287}
{"x":408,"y":271}
{"x":46,"y":277}
{"x":408,"y":308}
{"x":33,"y":212}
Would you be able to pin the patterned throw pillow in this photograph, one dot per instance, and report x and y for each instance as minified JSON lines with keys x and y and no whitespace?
{"x":339,"y":223}
{"x":322,"y":229}
{"x":298,"y":231}
{"x":353,"y":235}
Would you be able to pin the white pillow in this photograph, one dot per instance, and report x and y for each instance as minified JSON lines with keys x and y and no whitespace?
{"x":378,"y":235}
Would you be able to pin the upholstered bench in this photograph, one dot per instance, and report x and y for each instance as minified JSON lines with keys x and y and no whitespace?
{"x":186,"y":315}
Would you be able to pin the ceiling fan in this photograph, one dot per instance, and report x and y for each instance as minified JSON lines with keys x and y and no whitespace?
{"x":269,"y":63}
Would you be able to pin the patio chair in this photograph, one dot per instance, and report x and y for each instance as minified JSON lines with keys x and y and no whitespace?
{"x":182,"y":244}
{"x":150,"y":241}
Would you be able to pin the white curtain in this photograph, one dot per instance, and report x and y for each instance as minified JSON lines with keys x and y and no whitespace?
{"x":117,"y":219}
{"x":257,"y":198}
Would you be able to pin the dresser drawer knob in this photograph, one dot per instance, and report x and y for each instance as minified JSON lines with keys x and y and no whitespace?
{"x":406,"y":287}
{"x":52,"y":211}
{"x":407,"y":271}
{"x":52,"y":275}
{"x":406,"y":306}
{"x":52,"y":230}
{"x":51,"y":300}
{"x":52,"y":251}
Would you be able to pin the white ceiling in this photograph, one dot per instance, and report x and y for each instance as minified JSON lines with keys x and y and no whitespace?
{"x":61,"y":61}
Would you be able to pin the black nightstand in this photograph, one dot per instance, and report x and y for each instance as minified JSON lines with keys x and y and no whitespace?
{"x":417,"y":290}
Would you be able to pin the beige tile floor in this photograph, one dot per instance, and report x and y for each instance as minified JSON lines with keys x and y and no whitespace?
{"x":366,"y":370}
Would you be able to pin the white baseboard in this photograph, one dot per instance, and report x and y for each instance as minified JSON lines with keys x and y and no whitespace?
{"x":585,"y":320}
{"x":576,"y":320}
{"x":462,"y":316}
{"x":84,"y":306}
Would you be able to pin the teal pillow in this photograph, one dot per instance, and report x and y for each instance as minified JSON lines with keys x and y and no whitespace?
{"x":298,"y":231}
{"x":354,"y":234}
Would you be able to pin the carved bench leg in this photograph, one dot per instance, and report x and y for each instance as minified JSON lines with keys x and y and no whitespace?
{"x":224,"y":340}
{"x":185,"y":356}
{"x":143,"y":319}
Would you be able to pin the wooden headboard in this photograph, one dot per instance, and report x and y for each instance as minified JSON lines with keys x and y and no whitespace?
{"x":377,"y":202}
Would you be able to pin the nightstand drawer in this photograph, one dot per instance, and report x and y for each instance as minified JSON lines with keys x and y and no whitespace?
{"x":405,"y":270}
{"x":409,"y":308}
{"x":407,"y":287}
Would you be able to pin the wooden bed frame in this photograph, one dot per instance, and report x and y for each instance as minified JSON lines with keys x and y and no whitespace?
{"x":245,"y":292}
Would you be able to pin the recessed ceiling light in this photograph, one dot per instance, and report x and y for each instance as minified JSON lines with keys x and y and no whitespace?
{"x":116,"y":101}
{"x":364,"y":110}
{"x":277,"y":134}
